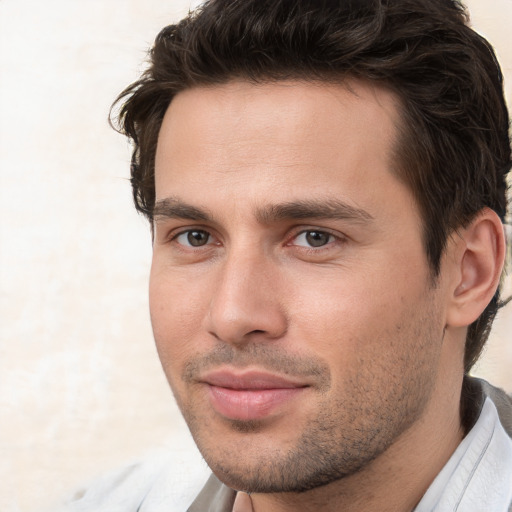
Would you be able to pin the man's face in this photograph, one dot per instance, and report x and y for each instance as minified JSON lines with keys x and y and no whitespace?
{"x":290,"y":294}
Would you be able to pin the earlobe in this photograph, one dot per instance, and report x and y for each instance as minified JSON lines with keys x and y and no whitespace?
{"x":480,"y":258}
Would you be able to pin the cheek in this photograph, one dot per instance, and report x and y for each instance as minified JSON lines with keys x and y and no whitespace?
{"x":176,"y":318}
{"x":368,"y":322}
{"x":349,"y":304}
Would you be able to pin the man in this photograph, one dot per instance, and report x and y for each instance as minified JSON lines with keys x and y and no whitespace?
{"x":325,"y":183}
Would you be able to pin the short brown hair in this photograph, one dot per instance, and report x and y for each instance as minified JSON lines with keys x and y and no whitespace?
{"x":454,"y":147}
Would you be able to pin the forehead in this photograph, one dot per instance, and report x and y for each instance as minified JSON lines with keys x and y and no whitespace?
{"x":241,"y":110}
{"x":286,"y":135}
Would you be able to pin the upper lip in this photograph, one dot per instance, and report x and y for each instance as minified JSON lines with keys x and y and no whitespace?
{"x":249,"y":380}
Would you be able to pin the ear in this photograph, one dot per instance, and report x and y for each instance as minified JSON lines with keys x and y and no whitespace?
{"x":479,"y":252}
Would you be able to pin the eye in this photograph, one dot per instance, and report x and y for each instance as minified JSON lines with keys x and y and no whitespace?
{"x":193,"y":238}
{"x":313,"y":238}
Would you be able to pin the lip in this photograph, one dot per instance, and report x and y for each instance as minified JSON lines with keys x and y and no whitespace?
{"x":250,"y":395}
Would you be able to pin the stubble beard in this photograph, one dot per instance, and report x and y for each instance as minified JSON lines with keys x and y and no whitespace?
{"x":323,"y":454}
{"x":345,"y":437}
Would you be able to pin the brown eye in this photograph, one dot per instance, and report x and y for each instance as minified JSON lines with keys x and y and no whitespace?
{"x":198,"y":238}
{"x":193,"y":238}
{"x":314,"y":238}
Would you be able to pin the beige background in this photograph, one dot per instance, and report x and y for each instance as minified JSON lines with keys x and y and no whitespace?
{"x":81,"y":389}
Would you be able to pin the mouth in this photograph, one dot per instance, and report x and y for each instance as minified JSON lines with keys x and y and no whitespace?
{"x":250,"y":395}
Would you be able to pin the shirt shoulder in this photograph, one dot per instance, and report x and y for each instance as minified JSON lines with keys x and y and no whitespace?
{"x":165,"y":482}
{"x":478,"y":476}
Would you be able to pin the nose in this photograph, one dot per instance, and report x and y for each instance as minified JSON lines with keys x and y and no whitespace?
{"x":246,"y":302}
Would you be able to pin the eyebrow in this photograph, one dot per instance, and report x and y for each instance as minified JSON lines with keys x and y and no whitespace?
{"x":313,"y":209}
{"x":173,"y":208}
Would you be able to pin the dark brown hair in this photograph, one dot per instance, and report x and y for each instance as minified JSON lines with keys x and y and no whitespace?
{"x":454,"y":147}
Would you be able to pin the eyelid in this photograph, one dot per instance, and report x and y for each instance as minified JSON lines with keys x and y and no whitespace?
{"x":338,"y":237}
{"x":171,"y":235}
{"x":182,"y":231}
{"x":186,"y":241}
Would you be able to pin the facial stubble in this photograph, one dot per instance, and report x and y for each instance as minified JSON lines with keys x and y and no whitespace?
{"x":344,"y":437}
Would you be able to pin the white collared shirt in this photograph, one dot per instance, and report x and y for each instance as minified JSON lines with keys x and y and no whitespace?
{"x":478,"y":476}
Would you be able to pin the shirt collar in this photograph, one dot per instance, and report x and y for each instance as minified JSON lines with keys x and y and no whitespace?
{"x":478,"y":476}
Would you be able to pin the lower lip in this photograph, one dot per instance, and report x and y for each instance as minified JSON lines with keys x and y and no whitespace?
{"x":247,"y":405}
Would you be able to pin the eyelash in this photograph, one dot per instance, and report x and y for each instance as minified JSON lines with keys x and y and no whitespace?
{"x":309,"y":246}
{"x":332,"y":238}
{"x":188,"y":232}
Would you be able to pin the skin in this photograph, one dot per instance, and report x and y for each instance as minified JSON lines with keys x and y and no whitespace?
{"x":354,"y":319}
